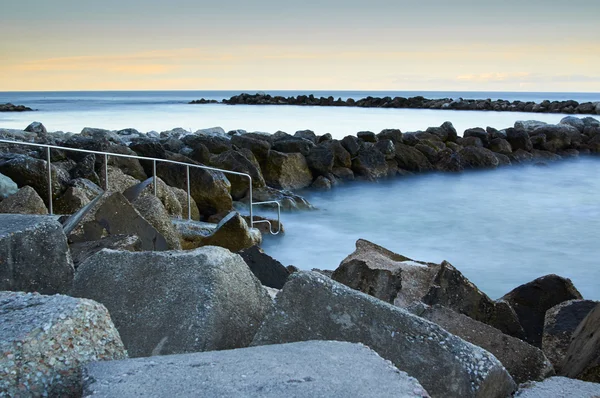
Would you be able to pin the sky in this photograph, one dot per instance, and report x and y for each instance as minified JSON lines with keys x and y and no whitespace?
{"x":436,"y":45}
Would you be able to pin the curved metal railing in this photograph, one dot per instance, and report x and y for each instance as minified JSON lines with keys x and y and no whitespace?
{"x":154,"y":161}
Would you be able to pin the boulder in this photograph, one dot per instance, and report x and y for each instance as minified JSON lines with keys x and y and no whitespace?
{"x":286,"y":171}
{"x":341,"y":157}
{"x":411,"y":159}
{"x":480,"y":133}
{"x":503,"y":160}
{"x":260,"y":148}
{"x":560,"y":323}
{"x":235,"y":161}
{"x":25,"y":201}
{"x":520,"y":156}
{"x":519,"y":139}
{"x":311,"y":306}
{"x":394,"y":135}
{"x":25,"y":170}
{"x":582,"y":360}
{"x":269,"y":271}
{"x":7,"y":187}
{"x":531,"y":301}
{"x":387,"y":148}
{"x":351,"y":144}
{"x":303,"y":370}
{"x":523,"y":361}
{"x":153,"y":211}
{"x":45,"y":340}
{"x":573,"y":122}
{"x":175,"y":302}
{"x":37,"y":128}
{"x":307,"y":135}
{"x":367,"y":136}
{"x":182,"y":198}
{"x":34,"y":256}
{"x":81,"y":251}
{"x":320,"y":160}
{"x":472,"y":141}
{"x":215,"y":142}
{"x":168,"y":197}
{"x":293,"y":145}
{"x":449,"y":161}
{"x":446,"y":132}
{"x":370,"y":164}
{"x":321,"y":183}
{"x":232,"y":232}
{"x":528,"y":125}
{"x":287,"y":199}
{"x":478,"y":158}
{"x":559,"y":387}
{"x":117,"y":180}
{"x":500,"y":145}
{"x":81,"y":191}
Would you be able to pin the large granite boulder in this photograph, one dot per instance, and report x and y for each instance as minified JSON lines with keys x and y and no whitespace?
{"x":573,"y":121}
{"x":411,"y":159}
{"x":320,"y":160}
{"x":500,"y":145}
{"x":7,"y":187}
{"x":293,"y":145}
{"x":446,"y":132}
{"x":168,"y":197}
{"x":370,"y":164}
{"x":311,"y":306}
{"x":582,"y":360}
{"x":341,"y":157}
{"x":480,"y":133}
{"x":269,"y":271}
{"x":235,"y":161}
{"x":80,"y":192}
{"x":304,"y":370}
{"x":45,"y":340}
{"x":519,"y":139}
{"x":259,"y":147}
{"x":560,"y":323}
{"x":286,"y":171}
{"x":216,"y":142}
{"x":559,"y":387}
{"x":523,"y":361}
{"x":81,"y":251}
{"x":558,"y":137}
{"x":34,"y":255}
{"x":477,"y":158}
{"x":153,"y":211}
{"x":531,"y":301}
{"x":25,"y":201}
{"x":175,"y":302}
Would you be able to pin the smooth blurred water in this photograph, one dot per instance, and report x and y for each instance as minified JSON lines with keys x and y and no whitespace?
{"x":164,"y":110}
{"x":501,"y":228}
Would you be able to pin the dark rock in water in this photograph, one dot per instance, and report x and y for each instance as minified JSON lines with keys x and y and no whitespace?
{"x":292,"y":145}
{"x":446,"y":132}
{"x":286,"y":171}
{"x":215,"y":143}
{"x":520,"y":156}
{"x":322,"y":183}
{"x":305,"y":369}
{"x":36,"y":127}
{"x":582,"y":360}
{"x":449,"y":161}
{"x":269,"y":271}
{"x":232,"y":232}
{"x":559,"y":387}
{"x":430,"y":153}
{"x":287,"y":199}
{"x":34,"y":256}
{"x":480,"y":133}
{"x":367,"y":136}
{"x":560,"y":323}
{"x":370,"y":164}
{"x":175,"y":302}
{"x":545,"y":155}
{"x":500,"y":145}
{"x":523,"y":361}
{"x":531,"y":301}
{"x":386,"y":147}
{"x":320,"y":160}
{"x":574,"y":122}
{"x":503,"y":160}
{"x":306,"y":134}
{"x":528,"y":125}
{"x":311,"y":306}
{"x":394,"y":135}
{"x":351,"y":144}
{"x":343,"y":173}
{"x":259,"y":148}
{"x":25,"y":170}
{"x":341,"y":157}
{"x":519,"y":139}
{"x":472,"y":141}
{"x":45,"y":340}
{"x":81,"y":251}
{"x":477,"y":158}
{"x":25,"y":201}
{"x":411,"y":159}
{"x":8,"y":107}
{"x":324,"y":138}
{"x":235,"y":161}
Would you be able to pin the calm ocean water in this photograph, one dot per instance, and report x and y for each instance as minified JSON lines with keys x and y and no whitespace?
{"x":501,"y":228}
{"x":163,"y":110}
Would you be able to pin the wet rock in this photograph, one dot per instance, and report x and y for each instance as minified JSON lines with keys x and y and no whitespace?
{"x":341,"y":157}
{"x":519,"y":139}
{"x":582,"y":360}
{"x":478,"y":158}
{"x":320,"y":160}
{"x":321,"y":183}
{"x":37,"y":128}
{"x":287,"y":199}
{"x":7,"y":187}
{"x":260,"y":148}
{"x":235,"y":161}
{"x":528,"y":125}
{"x":24,"y":201}
{"x":411,"y":159}
{"x":307,"y":135}
{"x":343,"y":173}
{"x":370,"y":164}
{"x":153,"y":211}
{"x":351,"y":144}
{"x":560,"y":323}
{"x":503,"y":160}
{"x":215,"y":142}
{"x":449,"y":161}
{"x":523,"y":361}
{"x":45,"y":340}
{"x":304,"y":369}
{"x":311,"y":306}
{"x":394,"y":135}
{"x":520,"y":156}
{"x":500,"y":145}
{"x":387,"y":148}
{"x":472,"y":141}
{"x":286,"y":171}
{"x":573,"y":122}
{"x":269,"y":271}
{"x":531,"y":301}
{"x":480,"y":133}
{"x":446,"y":132}
{"x":367,"y":136}
{"x":293,"y":145}
{"x":559,"y":387}
{"x":175,"y":302}
{"x":34,"y":256}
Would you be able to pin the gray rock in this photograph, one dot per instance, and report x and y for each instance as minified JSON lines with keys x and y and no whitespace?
{"x":307,"y":135}
{"x":531,"y":301}
{"x":370,"y":164}
{"x":519,"y":139}
{"x":293,"y":144}
{"x":322,"y":183}
{"x":286,"y":171}
{"x":175,"y":302}
{"x":559,"y":387}
{"x":235,"y":161}
{"x":523,"y":361}
{"x":480,"y":133}
{"x":45,"y":340}
{"x":305,"y":369}
{"x":153,"y":211}
{"x":25,"y":201}
{"x":367,"y":136}
{"x":80,"y":192}
{"x":473,"y":157}
{"x":582,"y":360}
{"x":574,"y":122}
{"x":528,"y":125}
{"x":81,"y":251}
{"x":7,"y":186}
{"x":34,"y":256}
{"x":36,"y":127}
{"x":560,"y":323}
{"x":311,"y":306}
{"x":269,"y":271}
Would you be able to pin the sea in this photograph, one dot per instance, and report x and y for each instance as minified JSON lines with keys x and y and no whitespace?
{"x":501,"y":228}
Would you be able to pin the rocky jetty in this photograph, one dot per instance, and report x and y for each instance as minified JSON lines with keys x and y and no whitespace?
{"x":8,"y":107}
{"x":419,"y":102}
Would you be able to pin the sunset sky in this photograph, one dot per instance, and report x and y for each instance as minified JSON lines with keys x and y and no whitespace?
{"x":525,"y":45}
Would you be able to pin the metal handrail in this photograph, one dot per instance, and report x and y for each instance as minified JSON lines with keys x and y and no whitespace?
{"x":154,"y":161}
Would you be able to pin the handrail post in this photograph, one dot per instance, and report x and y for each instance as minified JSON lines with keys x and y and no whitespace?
{"x":50,"y":205}
{"x":154,"y":176}
{"x":250,"y":200}
{"x":189,"y":201}
{"x":106,"y":172}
